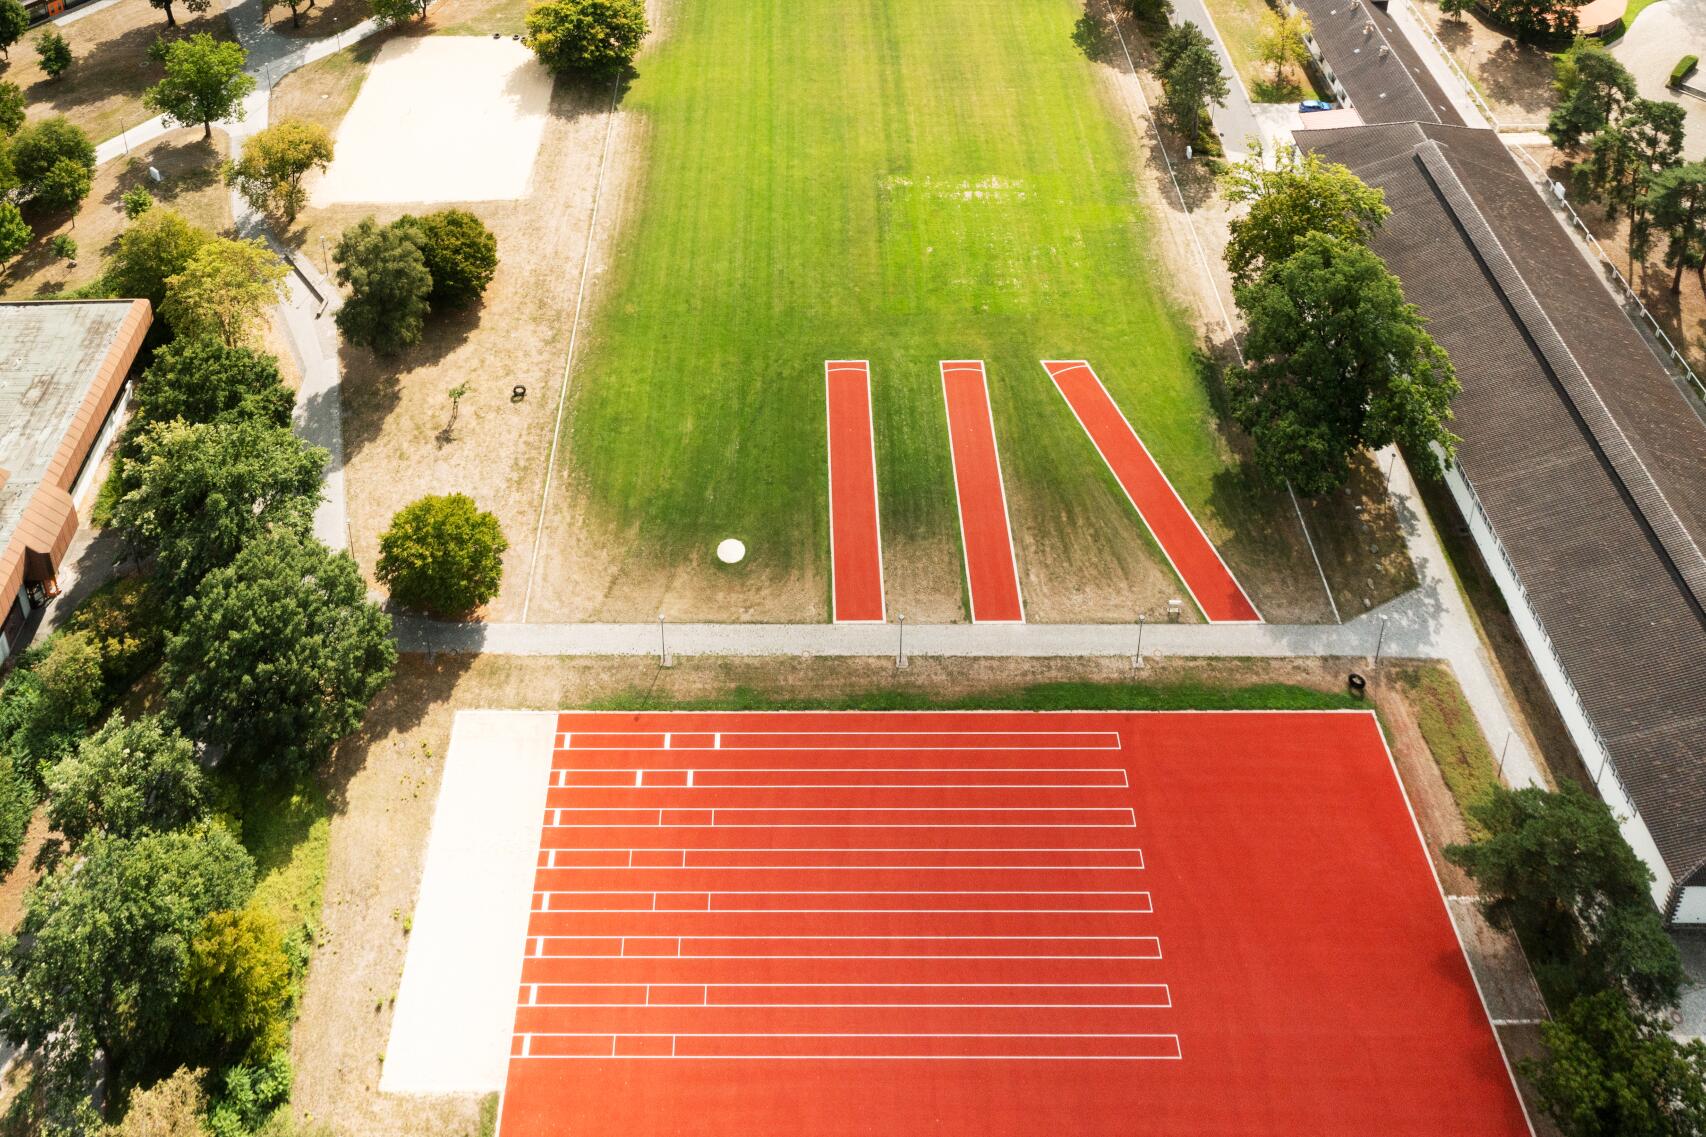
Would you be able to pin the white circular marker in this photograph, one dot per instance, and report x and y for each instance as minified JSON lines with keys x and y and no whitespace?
{"x":731,"y":551}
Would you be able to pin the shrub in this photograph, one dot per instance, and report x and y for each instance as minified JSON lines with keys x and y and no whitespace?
{"x":63,"y":246}
{"x":136,"y":201}
{"x":15,"y":232}
{"x":49,"y":701}
{"x":251,"y":1095}
{"x":171,"y":1107}
{"x":442,"y":555}
{"x":389,"y":284}
{"x":460,"y":253}
{"x":597,"y":36}
{"x":152,"y":249}
{"x":39,"y":147}
{"x":1683,"y":69}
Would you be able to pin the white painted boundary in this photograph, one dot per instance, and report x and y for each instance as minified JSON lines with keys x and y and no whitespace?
{"x":456,"y":1006}
{"x":864,"y":366}
{"x":1000,"y":481}
{"x":1138,"y":438}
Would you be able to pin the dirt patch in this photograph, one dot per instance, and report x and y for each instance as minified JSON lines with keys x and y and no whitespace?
{"x":17,"y":883}
{"x":323,"y":91}
{"x":1515,"y":79}
{"x":189,"y":169}
{"x":110,"y":68}
{"x":326,"y":17}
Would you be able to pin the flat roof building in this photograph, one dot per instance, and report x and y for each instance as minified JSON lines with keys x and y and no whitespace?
{"x":62,"y":367}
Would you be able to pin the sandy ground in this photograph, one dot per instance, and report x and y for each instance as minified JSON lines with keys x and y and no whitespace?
{"x":386,"y":781}
{"x":441,"y":118}
{"x":190,"y":184}
{"x":1515,"y":79}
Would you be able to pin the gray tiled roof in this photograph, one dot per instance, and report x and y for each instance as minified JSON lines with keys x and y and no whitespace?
{"x":1605,"y":576}
{"x":1385,"y":86}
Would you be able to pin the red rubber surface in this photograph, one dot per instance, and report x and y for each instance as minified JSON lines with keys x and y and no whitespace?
{"x":991,"y":925}
{"x":855,"y":540}
{"x":985,"y":533}
{"x":1193,"y":556}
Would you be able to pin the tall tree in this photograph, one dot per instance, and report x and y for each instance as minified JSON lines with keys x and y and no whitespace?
{"x":278,"y":654}
{"x":1678,"y":201}
{"x":1299,"y":195}
{"x":460,"y":253}
{"x":14,"y":22}
{"x":1557,"y":868}
{"x":586,"y":36}
{"x":204,"y":83}
{"x":1338,"y":361}
{"x":1592,"y":87}
{"x":196,"y":6}
{"x":275,"y":160}
{"x":150,"y":251}
{"x":11,"y":101}
{"x":389,"y":12}
{"x":389,"y":284}
{"x":224,"y":290}
{"x":125,"y":779}
{"x":203,"y":380}
{"x":54,"y":53}
{"x":1609,"y":1071}
{"x":1625,"y":157}
{"x":204,"y":490}
{"x":101,"y":951}
{"x":1533,"y":20}
{"x":1191,"y":77}
{"x":1280,"y":43}
{"x":15,"y":232}
{"x":41,"y":146}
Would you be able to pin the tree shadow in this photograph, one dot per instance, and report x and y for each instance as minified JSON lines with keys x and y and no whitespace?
{"x":421,"y":683}
{"x":120,"y":66}
{"x":372,"y":385}
{"x":1093,"y":35}
{"x":1518,"y":75}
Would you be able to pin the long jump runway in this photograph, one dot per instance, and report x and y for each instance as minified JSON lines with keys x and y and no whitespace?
{"x":986,"y":533}
{"x":855,"y":537}
{"x":990,"y":925}
{"x":1187,"y":548}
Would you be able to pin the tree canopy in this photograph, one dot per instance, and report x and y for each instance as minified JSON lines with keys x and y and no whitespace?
{"x":275,"y":160}
{"x":40,"y":146}
{"x":101,"y":951}
{"x":1678,"y":200}
{"x":389,"y":284}
{"x":238,"y":987}
{"x":14,"y":22}
{"x":1612,"y":1071}
{"x":205,"y":489}
{"x":588,"y":36}
{"x":1191,"y":78}
{"x":1555,"y":865}
{"x":278,"y":654}
{"x":125,"y":779}
{"x":1338,"y":361}
{"x":150,"y":251}
{"x":11,"y":95}
{"x":1592,"y":86}
{"x":1532,"y":20}
{"x":224,"y":290}
{"x":54,"y":52}
{"x":203,"y":380}
{"x":196,"y":6}
{"x":442,"y":555}
{"x":1625,"y":157}
{"x":389,"y":12}
{"x":204,"y":83}
{"x":15,"y":232}
{"x":1300,"y":195}
{"x":461,"y":256}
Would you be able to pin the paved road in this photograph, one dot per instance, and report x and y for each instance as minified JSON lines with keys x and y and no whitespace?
{"x":1659,"y":37}
{"x":1236,"y":122}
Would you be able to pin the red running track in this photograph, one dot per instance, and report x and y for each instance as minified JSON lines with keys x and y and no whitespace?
{"x":986,"y":534}
{"x":1001,"y":924}
{"x":1188,"y":549}
{"x":855,"y":537}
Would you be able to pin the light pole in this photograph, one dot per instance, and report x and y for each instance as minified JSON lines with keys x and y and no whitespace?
{"x":1503,"y":750}
{"x":1389,"y":465}
{"x":1379,"y":642}
{"x":663,"y":644}
{"x":325,"y":258}
{"x":1137,"y":660}
{"x":900,"y":650}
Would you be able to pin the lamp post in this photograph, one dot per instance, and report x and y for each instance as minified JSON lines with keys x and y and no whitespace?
{"x":663,"y":644}
{"x":1379,"y":642}
{"x":900,"y":650}
{"x":1137,"y":660}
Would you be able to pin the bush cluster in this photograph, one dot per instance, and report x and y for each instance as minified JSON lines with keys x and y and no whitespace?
{"x":399,"y":273}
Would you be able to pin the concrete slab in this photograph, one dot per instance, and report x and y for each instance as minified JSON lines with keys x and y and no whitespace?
{"x":456,"y":1005}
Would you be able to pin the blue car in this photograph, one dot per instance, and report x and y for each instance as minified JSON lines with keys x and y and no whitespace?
{"x":1308,"y":105}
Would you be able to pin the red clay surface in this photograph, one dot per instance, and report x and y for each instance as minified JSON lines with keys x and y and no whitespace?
{"x":855,"y":541}
{"x":991,"y":925}
{"x":1193,"y":556}
{"x":985,"y":532}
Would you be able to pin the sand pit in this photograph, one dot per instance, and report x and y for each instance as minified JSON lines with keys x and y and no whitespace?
{"x":442,"y":118}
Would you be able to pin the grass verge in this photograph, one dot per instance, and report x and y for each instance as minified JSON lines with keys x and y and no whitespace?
{"x":1453,"y":737}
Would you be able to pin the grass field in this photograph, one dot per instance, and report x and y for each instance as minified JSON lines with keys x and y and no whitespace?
{"x":931,"y":181}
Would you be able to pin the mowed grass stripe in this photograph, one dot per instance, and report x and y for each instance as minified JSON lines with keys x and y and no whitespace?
{"x":897,"y":180}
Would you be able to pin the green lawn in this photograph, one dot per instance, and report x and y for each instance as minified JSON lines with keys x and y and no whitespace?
{"x":892,"y":180}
